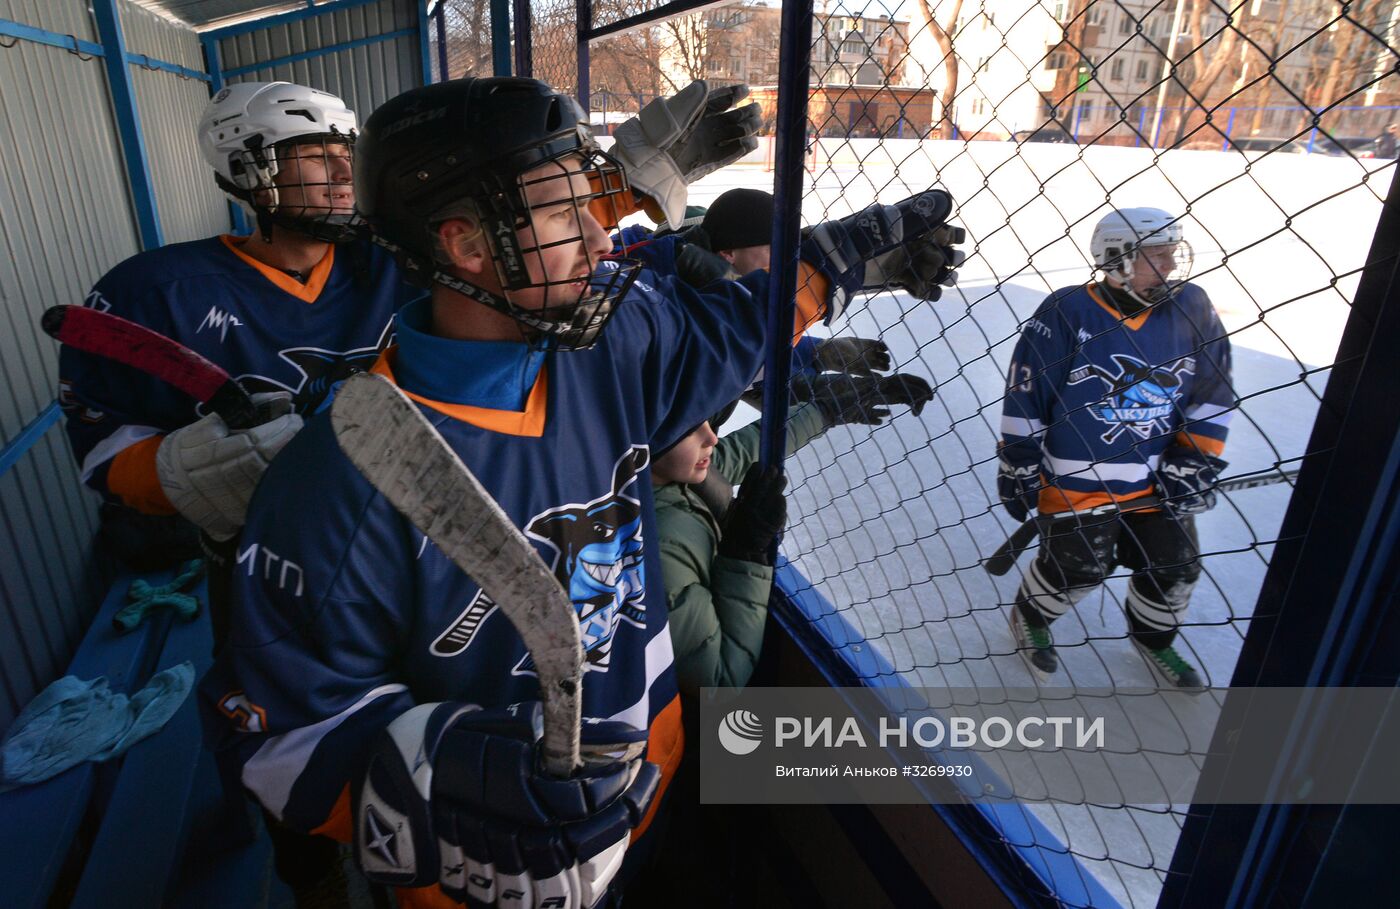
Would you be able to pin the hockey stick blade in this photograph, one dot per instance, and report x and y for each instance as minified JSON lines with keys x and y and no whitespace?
{"x":140,"y":348}
{"x":1007,"y":553}
{"x":394,"y":446}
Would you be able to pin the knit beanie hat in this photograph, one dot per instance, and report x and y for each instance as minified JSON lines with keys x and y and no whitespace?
{"x":740,"y":218}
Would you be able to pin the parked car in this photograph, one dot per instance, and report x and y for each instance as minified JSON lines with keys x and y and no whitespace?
{"x":1355,"y":146}
{"x":1266,"y":144}
{"x":1049,"y":132}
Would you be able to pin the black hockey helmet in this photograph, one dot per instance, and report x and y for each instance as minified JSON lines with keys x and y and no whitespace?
{"x":428,"y":154}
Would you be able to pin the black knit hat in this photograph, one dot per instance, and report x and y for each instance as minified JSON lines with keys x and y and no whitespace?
{"x":740,"y":218}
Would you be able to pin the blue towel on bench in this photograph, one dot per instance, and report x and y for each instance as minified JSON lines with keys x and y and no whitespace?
{"x":74,"y":720}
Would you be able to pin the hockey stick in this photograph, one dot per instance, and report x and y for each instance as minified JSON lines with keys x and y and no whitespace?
{"x":137,"y":346}
{"x":1005,"y":556}
{"x":389,"y":440}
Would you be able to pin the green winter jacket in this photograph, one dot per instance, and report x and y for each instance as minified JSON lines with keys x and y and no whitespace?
{"x":717,"y":604}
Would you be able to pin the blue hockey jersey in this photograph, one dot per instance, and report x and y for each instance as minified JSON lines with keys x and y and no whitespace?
{"x":1098,"y":397}
{"x":346,"y":616}
{"x":270,"y":331}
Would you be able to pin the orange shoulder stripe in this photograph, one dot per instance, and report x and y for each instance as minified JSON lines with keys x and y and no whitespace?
{"x":339,"y":825}
{"x":529,"y":422}
{"x":1204,"y":444}
{"x":132,"y":476}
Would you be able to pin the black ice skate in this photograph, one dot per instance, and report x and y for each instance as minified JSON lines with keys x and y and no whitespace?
{"x":1172,"y":669}
{"x":1035,"y":644}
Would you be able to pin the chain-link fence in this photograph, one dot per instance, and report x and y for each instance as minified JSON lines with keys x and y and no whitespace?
{"x":1191,"y":107}
{"x":1263,"y":129}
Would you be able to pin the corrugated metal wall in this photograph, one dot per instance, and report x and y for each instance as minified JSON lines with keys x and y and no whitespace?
{"x":64,"y":215}
{"x":65,"y":218}
{"x":364,"y":76}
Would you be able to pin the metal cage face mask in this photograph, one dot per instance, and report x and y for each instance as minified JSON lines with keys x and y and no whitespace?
{"x":1168,"y":272}
{"x":303,"y":184}
{"x":576,"y":291}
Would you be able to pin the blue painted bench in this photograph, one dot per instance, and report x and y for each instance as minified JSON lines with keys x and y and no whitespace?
{"x":130,"y":831}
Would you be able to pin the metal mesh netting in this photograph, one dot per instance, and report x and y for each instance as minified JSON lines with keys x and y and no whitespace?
{"x":1261,"y":126}
{"x":467,"y":30}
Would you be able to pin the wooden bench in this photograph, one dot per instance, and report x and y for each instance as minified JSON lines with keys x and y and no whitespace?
{"x":151,"y":827}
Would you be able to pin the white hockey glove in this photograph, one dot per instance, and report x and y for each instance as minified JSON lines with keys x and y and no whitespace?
{"x":209,"y":473}
{"x":908,"y":244}
{"x":678,"y":140}
{"x":454,"y":795}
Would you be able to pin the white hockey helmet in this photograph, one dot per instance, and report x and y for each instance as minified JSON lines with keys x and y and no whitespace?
{"x":242,"y":128}
{"x":1122,"y":233}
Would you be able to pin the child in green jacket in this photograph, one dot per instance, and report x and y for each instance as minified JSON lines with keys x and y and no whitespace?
{"x":715,"y":556}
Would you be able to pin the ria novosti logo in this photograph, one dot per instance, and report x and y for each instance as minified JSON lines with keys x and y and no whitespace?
{"x":740,"y":732}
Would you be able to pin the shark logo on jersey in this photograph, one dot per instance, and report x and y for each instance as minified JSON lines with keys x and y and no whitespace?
{"x":1140,"y":399}
{"x":321,"y":372}
{"x":597,"y":548}
{"x":217,"y":318}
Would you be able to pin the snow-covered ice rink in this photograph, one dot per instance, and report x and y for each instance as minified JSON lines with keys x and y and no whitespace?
{"x":890,"y":524}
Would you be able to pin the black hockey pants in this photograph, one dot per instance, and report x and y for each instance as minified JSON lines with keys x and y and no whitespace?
{"x":1077,"y":553}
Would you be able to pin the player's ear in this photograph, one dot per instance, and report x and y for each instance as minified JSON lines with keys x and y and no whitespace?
{"x":463,"y":244}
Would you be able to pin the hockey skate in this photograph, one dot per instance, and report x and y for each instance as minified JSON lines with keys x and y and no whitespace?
{"x":1035,"y":645}
{"x":1172,"y":669}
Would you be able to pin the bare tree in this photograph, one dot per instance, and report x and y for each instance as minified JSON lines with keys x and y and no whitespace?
{"x":943,"y":34}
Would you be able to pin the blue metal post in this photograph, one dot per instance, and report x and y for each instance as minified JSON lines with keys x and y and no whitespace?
{"x":583,"y":22}
{"x":425,"y":51}
{"x":500,"y":37}
{"x":524,"y":58}
{"x":1142,"y":121}
{"x":1229,"y":128}
{"x":138,"y":171}
{"x":213,"y":64}
{"x":1312,"y":137}
{"x":794,"y":77}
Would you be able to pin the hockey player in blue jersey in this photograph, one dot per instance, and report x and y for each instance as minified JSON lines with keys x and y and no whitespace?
{"x":1117,"y":390}
{"x":290,"y":311}
{"x":369,"y":690}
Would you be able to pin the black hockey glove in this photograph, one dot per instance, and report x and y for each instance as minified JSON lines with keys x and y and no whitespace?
{"x":908,"y":244}
{"x":1018,"y":483}
{"x":454,"y":796}
{"x":696,"y":265}
{"x":755,"y":517}
{"x":1187,"y":480}
{"x":856,"y":356}
{"x":923,"y":266}
{"x":861,"y":399}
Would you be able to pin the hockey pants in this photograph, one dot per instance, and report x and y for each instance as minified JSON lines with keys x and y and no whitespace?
{"x":1076,"y":554}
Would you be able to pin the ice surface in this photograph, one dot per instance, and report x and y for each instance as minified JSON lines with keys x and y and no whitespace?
{"x":890,"y":524}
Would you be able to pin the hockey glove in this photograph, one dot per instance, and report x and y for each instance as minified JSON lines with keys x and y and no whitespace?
{"x":454,"y":796}
{"x":209,"y":473}
{"x":897,"y":244}
{"x":923,"y":266}
{"x":855,"y":356}
{"x":696,"y":265}
{"x":861,"y":399}
{"x":1187,"y":480}
{"x":756,"y":517}
{"x":678,"y":140}
{"x":1018,"y":483}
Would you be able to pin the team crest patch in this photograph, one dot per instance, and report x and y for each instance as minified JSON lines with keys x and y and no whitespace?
{"x":597,"y":549}
{"x":1139,"y":399}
